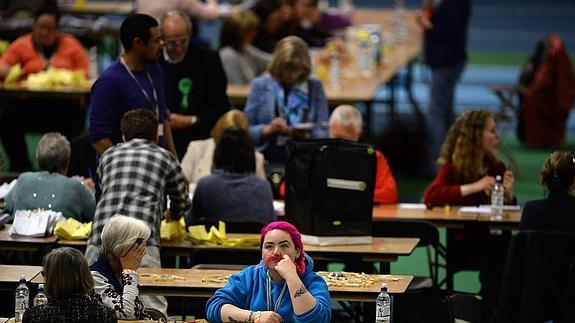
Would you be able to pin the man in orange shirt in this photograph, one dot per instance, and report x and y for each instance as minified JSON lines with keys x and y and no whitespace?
{"x":35,"y":52}
{"x":346,"y":123}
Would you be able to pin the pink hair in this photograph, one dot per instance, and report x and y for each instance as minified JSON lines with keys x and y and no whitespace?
{"x":295,"y":236}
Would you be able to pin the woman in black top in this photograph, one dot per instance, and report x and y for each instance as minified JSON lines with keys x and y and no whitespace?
{"x":555,"y":212}
{"x":69,"y":287}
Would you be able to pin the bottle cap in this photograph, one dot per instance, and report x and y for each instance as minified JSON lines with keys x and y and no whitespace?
{"x":40,"y":288}
{"x":383,"y":287}
{"x":22,"y":279}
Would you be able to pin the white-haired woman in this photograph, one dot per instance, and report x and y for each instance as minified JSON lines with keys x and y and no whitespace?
{"x":50,"y":186}
{"x":115,"y":277}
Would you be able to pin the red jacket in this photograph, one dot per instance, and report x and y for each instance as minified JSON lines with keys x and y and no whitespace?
{"x":445,"y":190}
{"x":549,"y":97}
{"x":385,"y":186}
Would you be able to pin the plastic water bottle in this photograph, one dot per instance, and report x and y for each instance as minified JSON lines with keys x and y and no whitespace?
{"x":334,"y":70}
{"x":400,"y":17}
{"x":40,"y":298}
{"x":346,"y":6}
{"x":497,"y":197}
{"x":22,"y":298}
{"x":366,"y":56}
{"x":383,"y":306}
{"x":93,"y":70}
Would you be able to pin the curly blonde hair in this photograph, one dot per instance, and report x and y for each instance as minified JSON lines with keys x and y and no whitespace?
{"x":462,"y":146}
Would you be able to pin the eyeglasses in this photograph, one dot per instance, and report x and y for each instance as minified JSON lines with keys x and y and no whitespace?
{"x":173,"y":43}
{"x":44,"y":28}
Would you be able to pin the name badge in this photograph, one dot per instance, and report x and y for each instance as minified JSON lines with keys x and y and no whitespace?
{"x":160,"y":130}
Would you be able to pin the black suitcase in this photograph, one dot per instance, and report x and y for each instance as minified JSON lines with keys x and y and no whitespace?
{"x":329,"y":190}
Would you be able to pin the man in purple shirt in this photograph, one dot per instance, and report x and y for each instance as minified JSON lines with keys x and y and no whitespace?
{"x":134,"y":81}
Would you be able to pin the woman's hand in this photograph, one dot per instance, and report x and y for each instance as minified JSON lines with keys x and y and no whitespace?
{"x":133,"y":257}
{"x":508,"y":180}
{"x":268,"y":316}
{"x":484,"y":183}
{"x":423,"y":20}
{"x":277,"y":125}
{"x":286,"y":267}
{"x":87,"y":181}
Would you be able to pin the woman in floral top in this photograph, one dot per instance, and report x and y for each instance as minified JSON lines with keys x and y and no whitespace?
{"x":115,"y":277}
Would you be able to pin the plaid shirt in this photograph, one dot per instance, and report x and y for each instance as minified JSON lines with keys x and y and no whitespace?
{"x":134,"y":177}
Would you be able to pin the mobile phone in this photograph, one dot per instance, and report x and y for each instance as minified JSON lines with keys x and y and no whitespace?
{"x":139,"y":241}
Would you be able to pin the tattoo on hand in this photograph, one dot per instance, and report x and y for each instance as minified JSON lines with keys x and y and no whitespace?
{"x":300,"y":292}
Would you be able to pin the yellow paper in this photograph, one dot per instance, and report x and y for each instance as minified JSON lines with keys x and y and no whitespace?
{"x":217,"y":236}
{"x":72,"y":229}
{"x":198,"y":232}
{"x":54,"y":77}
{"x":14,"y":74}
{"x":171,"y":230}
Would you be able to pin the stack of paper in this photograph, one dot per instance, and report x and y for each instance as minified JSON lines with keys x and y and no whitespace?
{"x":35,"y":223}
{"x":486,"y":209}
{"x":72,"y":229}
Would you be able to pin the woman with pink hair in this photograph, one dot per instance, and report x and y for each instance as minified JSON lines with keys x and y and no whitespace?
{"x":257,"y":293}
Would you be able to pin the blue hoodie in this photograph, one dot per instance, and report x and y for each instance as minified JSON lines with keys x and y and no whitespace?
{"x":247,"y":290}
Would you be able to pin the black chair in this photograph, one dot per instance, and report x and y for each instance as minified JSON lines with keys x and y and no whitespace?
{"x":539,"y":279}
{"x":428,"y":235}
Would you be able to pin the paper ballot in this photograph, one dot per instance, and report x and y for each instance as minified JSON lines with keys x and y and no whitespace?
{"x":35,"y":223}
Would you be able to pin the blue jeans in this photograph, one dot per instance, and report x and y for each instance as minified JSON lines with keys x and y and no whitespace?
{"x":440,"y":112}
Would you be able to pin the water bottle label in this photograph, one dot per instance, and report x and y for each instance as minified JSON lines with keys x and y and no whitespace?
{"x":383,"y":311}
{"x":21,"y":304}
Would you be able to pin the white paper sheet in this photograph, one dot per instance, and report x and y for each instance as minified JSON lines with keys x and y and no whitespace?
{"x":6,"y":188}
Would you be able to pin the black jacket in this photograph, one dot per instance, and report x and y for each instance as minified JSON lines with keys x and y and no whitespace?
{"x":202,"y":76}
{"x":539,"y":279}
{"x":555,"y":213}
{"x":445,"y":45}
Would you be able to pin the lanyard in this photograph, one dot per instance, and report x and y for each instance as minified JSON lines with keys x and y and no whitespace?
{"x":48,"y":61}
{"x":269,"y":295}
{"x":144,"y":92}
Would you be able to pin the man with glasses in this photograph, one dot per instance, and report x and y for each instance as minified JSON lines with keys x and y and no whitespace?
{"x":194,"y":80}
{"x":35,"y":52}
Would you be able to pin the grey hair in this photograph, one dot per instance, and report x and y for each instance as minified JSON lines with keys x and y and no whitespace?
{"x":181,"y":14}
{"x":346,"y":116}
{"x":53,"y":152}
{"x":119,"y":235}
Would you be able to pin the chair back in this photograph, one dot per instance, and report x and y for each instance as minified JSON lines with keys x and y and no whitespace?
{"x":539,"y":278}
{"x":427,"y":233}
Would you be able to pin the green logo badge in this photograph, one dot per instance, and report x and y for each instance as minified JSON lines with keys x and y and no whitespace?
{"x":185,"y":87}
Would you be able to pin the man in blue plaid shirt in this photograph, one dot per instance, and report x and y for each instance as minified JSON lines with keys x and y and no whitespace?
{"x":135,"y":176}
